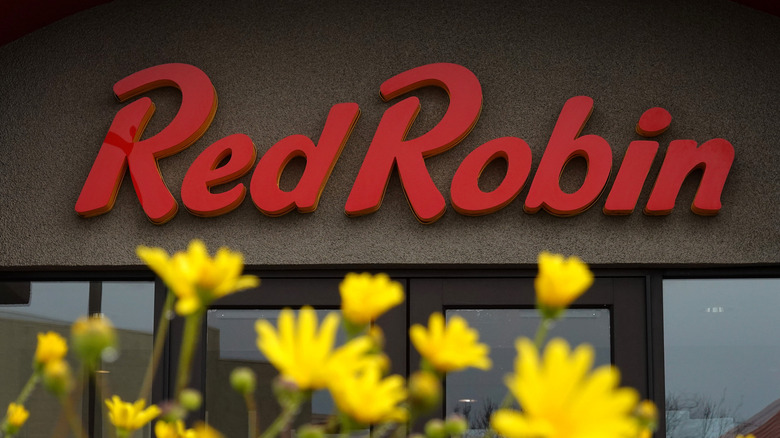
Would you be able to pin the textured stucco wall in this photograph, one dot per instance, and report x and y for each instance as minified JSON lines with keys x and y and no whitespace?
{"x":278,"y":68}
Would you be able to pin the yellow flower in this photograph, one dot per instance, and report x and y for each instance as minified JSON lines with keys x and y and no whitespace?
{"x":303,"y":353}
{"x":746,"y":436}
{"x":560,"y":398}
{"x":203,"y":430}
{"x":129,"y":417}
{"x":195,"y":277}
{"x":365,"y":297}
{"x":174,"y":429}
{"x":51,"y":348}
{"x":16,"y":415}
{"x":560,"y":281}
{"x":451,"y":347}
{"x":367,"y":398}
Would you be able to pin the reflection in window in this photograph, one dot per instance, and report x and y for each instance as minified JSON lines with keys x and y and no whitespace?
{"x":232,"y":343}
{"x":51,"y":306}
{"x":722,"y":357}
{"x":475,"y":394}
{"x":130,"y":307}
{"x":29,"y":308}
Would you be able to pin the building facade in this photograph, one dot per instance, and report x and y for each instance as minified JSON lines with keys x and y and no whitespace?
{"x":445,"y":143}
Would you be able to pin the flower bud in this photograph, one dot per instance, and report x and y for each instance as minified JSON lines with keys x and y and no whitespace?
{"x":455,"y":425}
{"x":57,"y":378}
{"x":15,"y":418}
{"x":190,"y":399}
{"x":435,"y":429}
{"x":286,"y":390}
{"x":424,"y":391}
{"x":243,"y":380}
{"x":172,"y":412}
{"x":647,"y":415}
{"x":310,"y":431}
{"x":91,"y":336}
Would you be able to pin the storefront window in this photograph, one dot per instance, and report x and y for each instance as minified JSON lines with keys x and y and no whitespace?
{"x":28,"y":308}
{"x":130,"y":307}
{"x":475,"y":393}
{"x":722,"y":357}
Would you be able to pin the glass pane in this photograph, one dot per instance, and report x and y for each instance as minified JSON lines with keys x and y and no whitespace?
{"x":722,"y":357}
{"x":52,"y":306}
{"x":475,"y":393}
{"x":231,"y":343}
{"x":130,"y":307}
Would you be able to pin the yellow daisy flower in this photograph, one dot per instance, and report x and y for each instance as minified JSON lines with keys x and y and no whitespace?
{"x":451,"y":347}
{"x":560,"y":281}
{"x":364,"y":297}
{"x":129,"y":417}
{"x":17,"y":415}
{"x":163,"y":429}
{"x":367,"y":398}
{"x":51,"y":348}
{"x":195,"y":277}
{"x":304,"y":353}
{"x":561,"y":398}
{"x":203,"y":430}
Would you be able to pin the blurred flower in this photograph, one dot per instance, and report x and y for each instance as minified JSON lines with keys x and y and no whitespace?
{"x":190,"y":399}
{"x":368,"y":398}
{"x":560,"y":398}
{"x":647,"y":417}
{"x":51,"y":348}
{"x":203,"y":430}
{"x":424,"y":390}
{"x":57,"y":378}
{"x":455,"y":425}
{"x":15,"y":418}
{"x":560,"y":282}
{"x":195,"y":277}
{"x":243,"y":380}
{"x":91,"y":336}
{"x":175,"y":429}
{"x":451,"y":347}
{"x":303,"y":352}
{"x":365,"y":297}
{"x":128,"y":417}
{"x":746,"y":436}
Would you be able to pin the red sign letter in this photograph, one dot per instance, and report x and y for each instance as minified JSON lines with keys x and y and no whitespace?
{"x":389,"y":146}
{"x":267,"y":195}
{"x":564,"y":145}
{"x":204,"y":174}
{"x":468,"y":199}
{"x":682,"y":157}
{"x":122,"y":148}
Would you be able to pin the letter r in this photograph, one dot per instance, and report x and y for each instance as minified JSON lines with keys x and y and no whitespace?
{"x":122,"y":149}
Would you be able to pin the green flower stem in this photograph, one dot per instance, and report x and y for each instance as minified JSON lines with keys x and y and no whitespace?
{"x":159,"y":344}
{"x":541,"y":332}
{"x":346,"y":426}
{"x":383,"y":429}
{"x":28,"y":388}
{"x":191,"y":334}
{"x":289,"y":411}
{"x":251,"y":411}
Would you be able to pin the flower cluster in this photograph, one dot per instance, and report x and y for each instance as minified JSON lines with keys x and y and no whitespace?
{"x":559,"y":394}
